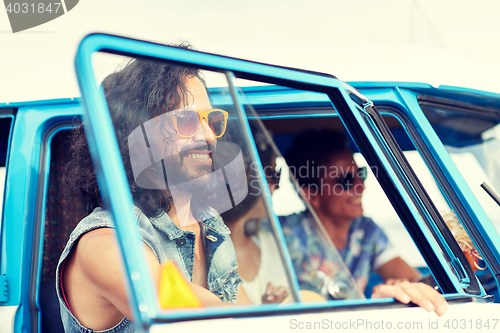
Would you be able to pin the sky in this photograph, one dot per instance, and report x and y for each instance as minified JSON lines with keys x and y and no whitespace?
{"x":441,"y":42}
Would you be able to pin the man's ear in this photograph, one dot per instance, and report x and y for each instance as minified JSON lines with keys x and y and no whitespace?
{"x":311,"y":196}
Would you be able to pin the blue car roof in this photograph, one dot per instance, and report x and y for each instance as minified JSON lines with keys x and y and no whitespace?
{"x":260,"y":94}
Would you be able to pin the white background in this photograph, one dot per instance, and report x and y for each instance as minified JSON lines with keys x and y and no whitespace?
{"x":451,"y":42}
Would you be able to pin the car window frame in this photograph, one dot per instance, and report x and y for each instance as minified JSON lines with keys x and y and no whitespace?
{"x":433,"y":220}
{"x":59,"y":124}
{"x":400,"y":113}
{"x":97,"y":116}
{"x":438,"y":264}
{"x":98,"y":119}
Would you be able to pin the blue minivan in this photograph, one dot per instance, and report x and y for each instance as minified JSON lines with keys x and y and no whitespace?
{"x":431,"y":152}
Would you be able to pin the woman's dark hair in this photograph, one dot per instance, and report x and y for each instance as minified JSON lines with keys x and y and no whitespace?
{"x":266,"y":155}
{"x":311,"y":149}
{"x":140,"y":91}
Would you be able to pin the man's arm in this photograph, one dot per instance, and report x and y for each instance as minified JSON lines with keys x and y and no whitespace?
{"x":94,"y":284}
{"x":93,"y":281}
{"x":398,"y":269}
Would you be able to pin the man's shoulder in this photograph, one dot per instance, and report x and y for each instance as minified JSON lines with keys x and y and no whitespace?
{"x":293,"y":220}
{"x":99,"y":218}
{"x":364,"y":222}
{"x":94,"y":242}
{"x":102,"y":218}
{"x":372,"y":231}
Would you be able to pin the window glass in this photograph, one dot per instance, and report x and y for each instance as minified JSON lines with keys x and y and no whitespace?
{"x":326,"y":204}
{"x":471,"y":135}
{"x":317,"y":264}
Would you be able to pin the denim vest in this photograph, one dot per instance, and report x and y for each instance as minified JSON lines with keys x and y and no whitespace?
{"x":166,"y":241}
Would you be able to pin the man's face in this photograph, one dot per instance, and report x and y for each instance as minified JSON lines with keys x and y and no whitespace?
{"x":189,"y":158}
{"x":336,"y":200}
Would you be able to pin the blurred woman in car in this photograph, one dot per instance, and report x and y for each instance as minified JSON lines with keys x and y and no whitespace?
{"x":259,"y":260}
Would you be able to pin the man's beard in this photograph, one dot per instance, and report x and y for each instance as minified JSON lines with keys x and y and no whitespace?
{"x":219,"y":187}
{"x":190,"y":175}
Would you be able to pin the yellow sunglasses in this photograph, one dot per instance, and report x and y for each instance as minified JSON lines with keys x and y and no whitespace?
{"x":188,"y":122}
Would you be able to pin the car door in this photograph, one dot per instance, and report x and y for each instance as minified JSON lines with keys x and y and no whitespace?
{"x":464,"y":121}
{"x":7,"y":116}
{"x":368,"y":130}
{"x":32,"y":229}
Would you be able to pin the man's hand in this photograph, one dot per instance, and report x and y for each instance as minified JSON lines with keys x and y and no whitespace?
{"x":274,"y":294}
{"x":419,"y":293}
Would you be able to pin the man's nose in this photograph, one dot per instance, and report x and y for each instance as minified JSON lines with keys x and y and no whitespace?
{"x":206,"y":133}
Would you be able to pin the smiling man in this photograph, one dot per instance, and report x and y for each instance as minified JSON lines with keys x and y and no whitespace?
{"x":167,"y":132}
{"x":334,"y":189}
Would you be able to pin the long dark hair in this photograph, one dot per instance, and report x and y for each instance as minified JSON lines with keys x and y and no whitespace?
{"x":140,"y":91}
{"x":266,"y":155}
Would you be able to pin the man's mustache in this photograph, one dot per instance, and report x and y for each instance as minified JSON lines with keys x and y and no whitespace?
{"x":202,"y":146}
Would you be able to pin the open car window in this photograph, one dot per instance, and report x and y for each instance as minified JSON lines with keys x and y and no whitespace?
{"x":430,"y":218}
{"x":316,"y":262}
{"x":470,"y":134}
{"x":179,"y":160}
{"x":376,"y":205}
{"x":376,"y":234}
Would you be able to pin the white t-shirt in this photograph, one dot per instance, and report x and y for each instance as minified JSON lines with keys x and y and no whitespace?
{"x":271,"y":268}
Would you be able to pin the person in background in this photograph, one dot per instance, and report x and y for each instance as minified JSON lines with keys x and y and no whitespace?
{"x":259,"y":260}
{"x":325,"y":169}
{"x":261,"y":266}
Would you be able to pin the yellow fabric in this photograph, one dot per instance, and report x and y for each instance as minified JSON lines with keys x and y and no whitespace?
{"x":174,"y":291}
